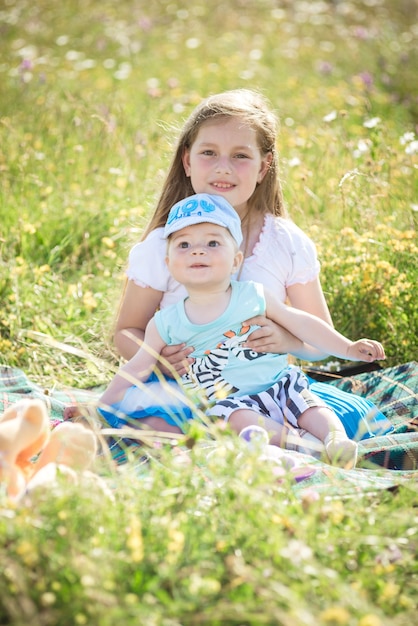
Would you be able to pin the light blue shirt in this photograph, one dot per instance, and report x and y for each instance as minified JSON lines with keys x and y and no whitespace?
{"x":222,"y":365}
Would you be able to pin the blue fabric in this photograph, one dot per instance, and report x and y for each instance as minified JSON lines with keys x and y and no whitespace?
{"x":360,"y":417}
{"x":175,"y":413}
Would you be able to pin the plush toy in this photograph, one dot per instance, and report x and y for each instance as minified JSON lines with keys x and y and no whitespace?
{"x":25,"y":433}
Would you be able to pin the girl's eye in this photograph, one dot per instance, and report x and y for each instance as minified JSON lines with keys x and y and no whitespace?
{"x":183,"y":244}
{"x":208,"y":152}
{"x":241,"y":156}
{"x":213,"y":243}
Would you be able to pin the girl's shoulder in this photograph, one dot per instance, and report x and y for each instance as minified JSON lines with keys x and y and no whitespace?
{"x":154,"y":241}
{"x":146,"y":264}
{"x":281,"y":232}
{"x":283,"y":227}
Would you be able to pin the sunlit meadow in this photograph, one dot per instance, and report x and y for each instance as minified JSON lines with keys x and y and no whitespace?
{"x":92,"y":95}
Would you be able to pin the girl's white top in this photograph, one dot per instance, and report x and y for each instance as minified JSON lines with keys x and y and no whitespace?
{"x":283,"y":256}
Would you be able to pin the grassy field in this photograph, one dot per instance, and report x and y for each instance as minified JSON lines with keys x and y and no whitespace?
{"x":92,"y":94}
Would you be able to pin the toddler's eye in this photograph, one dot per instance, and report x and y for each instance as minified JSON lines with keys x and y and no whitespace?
{"x":184,"y":244}
{"x":213,"y":243}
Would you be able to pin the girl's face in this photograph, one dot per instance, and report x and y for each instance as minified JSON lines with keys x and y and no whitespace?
{"x":225,"y":160}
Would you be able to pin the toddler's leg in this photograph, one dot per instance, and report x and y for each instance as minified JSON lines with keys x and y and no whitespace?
{"x":159,"y":424}
{"x":278,"y":433}
{"x":324,"y":424}
{"x":70,"y":444}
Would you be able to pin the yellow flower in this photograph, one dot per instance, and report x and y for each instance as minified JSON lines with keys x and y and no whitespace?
{"x":337,"y":615}
{"x":108,"y":242}
{"x":370,"y":620}
{"x":26,"y":551}
{"x":135,"y":541}
{"x":389,"y":592}
{"x":89,"y":301}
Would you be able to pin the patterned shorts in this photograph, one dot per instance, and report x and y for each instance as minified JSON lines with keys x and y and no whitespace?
{"x":284,"y":402}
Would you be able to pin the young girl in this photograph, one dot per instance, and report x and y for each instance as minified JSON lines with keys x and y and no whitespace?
{"x":243,"y":386}
{"x":228,"y":147}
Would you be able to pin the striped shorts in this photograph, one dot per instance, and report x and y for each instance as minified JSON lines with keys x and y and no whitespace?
{"x":283,"y":402}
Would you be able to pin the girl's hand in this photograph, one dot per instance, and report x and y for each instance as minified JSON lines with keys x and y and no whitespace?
{"x":178,"y":358}
{"x":366,"y":350}
{"x":270,"y":337}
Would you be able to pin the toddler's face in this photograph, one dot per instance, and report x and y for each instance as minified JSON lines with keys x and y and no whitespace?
{"x":202,"y":254}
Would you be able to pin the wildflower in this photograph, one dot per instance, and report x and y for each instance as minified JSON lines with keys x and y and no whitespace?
{"x":406,"y":138}
{"x":325,"y":67}
{"x":193,"y":43}
{"x":367,"y":79}
{"x":175,"y":544}
{"x":26,"y":65}
{"x":123,"y":72}
{"x":199,"y":585}
{"x":372,"y":122}
{"x":370,"y":620}
{"x":412,"y":148}
{"x":297,"y":551}
{"x":48,"y":598}
{"x":389,"y":592}
{"x":294,"y":162}
{"x":361,"y":33}
{"x":363,"y":146}
{"x":335,"y":615}
{"x":108,"y":242}
{"x":330,"y":117}
{"x":135,"y":541}
{"x":28,"y":555}
{"x":89,"y":301}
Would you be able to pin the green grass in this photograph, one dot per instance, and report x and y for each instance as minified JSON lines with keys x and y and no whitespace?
{"x":91,"y":96}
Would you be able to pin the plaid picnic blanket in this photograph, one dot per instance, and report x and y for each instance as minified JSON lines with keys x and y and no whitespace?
{"x":394,"y":390}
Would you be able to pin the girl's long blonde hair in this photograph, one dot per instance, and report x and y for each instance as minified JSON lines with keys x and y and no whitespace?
{"x":253,"y":109}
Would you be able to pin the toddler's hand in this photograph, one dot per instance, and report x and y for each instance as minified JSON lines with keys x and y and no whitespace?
{"x":366,"y":350}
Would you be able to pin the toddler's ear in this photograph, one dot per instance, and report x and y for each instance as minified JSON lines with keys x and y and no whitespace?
{"x":238,"y":261}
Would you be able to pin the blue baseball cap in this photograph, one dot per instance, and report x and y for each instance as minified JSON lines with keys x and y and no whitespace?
{"x":202,"y":208}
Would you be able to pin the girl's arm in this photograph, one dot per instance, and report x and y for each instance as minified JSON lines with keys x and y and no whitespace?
{"x":138,"y":368}
{"x":271,"y":337}
{"x":137,"y":307}
{"x":309,"y":297}
{"x":318,"y":333}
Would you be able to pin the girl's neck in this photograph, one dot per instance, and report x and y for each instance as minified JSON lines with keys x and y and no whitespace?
{"x":203,"y":307}
{"x":251,"y":225}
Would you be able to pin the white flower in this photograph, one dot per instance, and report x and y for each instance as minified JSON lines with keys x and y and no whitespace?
{"x":372,"y":122}
{"x":330,"y":117}
{"x":363,"y":146}
{"x":294,"y":162}
{"x":406,"y":138}
{"x":412,"y":148}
